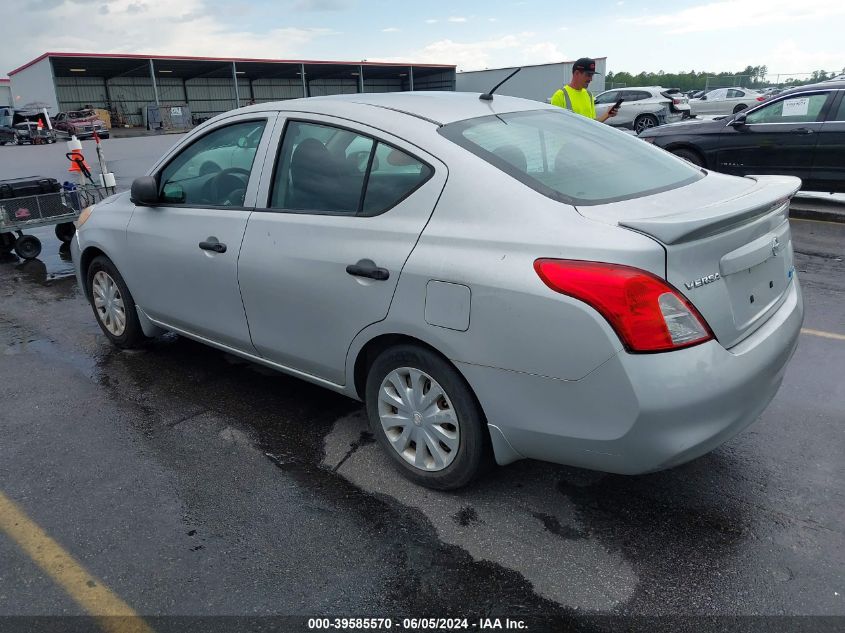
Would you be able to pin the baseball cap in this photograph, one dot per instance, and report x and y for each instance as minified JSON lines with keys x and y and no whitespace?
{"x":586,"y":64}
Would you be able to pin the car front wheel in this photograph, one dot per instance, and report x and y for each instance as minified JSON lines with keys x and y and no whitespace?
{"x":426,"y":418}
{"x":112,"y":303}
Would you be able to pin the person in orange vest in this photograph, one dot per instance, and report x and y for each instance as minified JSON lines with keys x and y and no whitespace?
{"x":37,"y":140}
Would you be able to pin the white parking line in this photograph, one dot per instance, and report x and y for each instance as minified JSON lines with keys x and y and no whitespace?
{"x":836,"y":337}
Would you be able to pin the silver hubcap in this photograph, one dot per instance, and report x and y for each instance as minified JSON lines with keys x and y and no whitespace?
{"x":108,"y":302}
{"x":418,"y":419}
{"x":644,"y":124}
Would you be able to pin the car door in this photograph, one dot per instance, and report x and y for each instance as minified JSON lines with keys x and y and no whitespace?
{"x":711,"y":102}
{"x":343,"y":208}
{"x":828,"y":173}
{"x":183,"y":252}
{"x":639,"y":102}
{"x":778,"y":137}
{"x":605,"y":101}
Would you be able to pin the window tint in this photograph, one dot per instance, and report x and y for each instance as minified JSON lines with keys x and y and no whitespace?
{"x":214,"y":170}
{"x":393,"y":175}
{"x":324,"y":169}
{"x":840,"y":115}
{"x":320,"y":168}
{"x":569,"y":158}
{"x":636,"y":95}
{"x":607,"y":97}
{"x":735,"y":94}
{"x":796,"y":109}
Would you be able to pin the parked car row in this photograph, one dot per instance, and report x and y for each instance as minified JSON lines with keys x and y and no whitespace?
{"x":643,"y":108}
{"x":20,"y":126}
{"x":798,"y":133}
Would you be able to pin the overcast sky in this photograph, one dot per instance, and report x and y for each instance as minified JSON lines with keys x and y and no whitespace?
{"x":788,"y":36}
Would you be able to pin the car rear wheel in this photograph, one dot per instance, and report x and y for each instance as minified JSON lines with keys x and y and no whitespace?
{"x":689,"y":155}
{"x":112,"y":303}
{"x":644,"y":122}
{"x":426,"y":418}
{"x":740,"y":107}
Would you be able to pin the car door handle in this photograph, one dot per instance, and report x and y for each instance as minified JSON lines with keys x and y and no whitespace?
{"x":217,"y":247}
{"x":368,"y":268}
{"x":803,"y":130}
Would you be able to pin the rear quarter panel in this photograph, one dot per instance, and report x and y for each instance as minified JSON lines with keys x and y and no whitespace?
{"x":486,"y":232}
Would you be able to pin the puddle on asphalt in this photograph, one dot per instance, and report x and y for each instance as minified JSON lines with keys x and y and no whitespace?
{"x":520,"y":528}
{"x":53,"y":263}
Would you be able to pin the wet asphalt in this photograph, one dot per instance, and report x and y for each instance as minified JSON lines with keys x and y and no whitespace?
{"x":193,"y":483}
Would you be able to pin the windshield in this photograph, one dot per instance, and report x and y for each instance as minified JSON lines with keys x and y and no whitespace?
{"x":569,"y":158}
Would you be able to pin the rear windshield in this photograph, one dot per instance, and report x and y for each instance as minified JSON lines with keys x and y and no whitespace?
{"x":569,"y":158}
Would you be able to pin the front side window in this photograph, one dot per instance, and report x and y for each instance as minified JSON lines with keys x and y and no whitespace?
{"x":840,"y":115}
{"x":330,"y":170}
{"x":214,"y":170}
{"x":571,"y":159}
{"x":797,"y":109}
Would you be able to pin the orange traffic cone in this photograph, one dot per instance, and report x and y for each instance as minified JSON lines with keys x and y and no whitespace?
{"x":76,"y":159}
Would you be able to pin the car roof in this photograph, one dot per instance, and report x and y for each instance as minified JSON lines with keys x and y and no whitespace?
{"x":438,"y":107}
{"x":822,"y":85}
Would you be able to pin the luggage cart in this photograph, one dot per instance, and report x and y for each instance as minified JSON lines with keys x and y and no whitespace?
{"x":58,"y":208}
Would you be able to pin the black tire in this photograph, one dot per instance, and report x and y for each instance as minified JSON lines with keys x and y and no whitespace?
{"x":689,"y":155}
{"x":740,"y":107}
{"x":132,"y":335}
{"x":644,"y":122}
{"x":474,"y":454}
{"x":28,"y":247}
{"x":65,"y":231}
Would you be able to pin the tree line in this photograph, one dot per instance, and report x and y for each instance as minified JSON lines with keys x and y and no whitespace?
{"x":750,"y":77}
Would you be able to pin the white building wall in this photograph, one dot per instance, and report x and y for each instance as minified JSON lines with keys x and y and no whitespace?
{"x":532,"y":82}
{"x":5,"y":95}
{"x":34,"y":84}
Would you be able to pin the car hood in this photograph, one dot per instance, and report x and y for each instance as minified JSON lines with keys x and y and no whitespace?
{"x":692,"y":126}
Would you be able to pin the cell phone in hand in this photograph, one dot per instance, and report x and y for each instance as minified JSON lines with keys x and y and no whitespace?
{"x":617,"y":104}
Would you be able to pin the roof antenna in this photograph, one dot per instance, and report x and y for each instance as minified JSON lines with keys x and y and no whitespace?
{"x":488,"y":96}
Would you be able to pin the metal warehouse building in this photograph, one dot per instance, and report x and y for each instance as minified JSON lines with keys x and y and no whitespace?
{"x":126,"y":84}
{"x":538,"y":82}
{"x":5,"y":93}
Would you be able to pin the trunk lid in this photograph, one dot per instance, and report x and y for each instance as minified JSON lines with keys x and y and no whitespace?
{"x":727,"y":241}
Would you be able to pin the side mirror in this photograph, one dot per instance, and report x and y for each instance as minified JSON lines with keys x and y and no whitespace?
{"x":144,"y":191}
{"x":739,"y":119}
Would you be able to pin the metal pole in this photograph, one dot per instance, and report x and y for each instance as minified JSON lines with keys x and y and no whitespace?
{"x":411,"y":77}
{"x":304,"y":85}
{"x":235,"y":80}
{"x":153,"y":77}
{"x":360,"y":78}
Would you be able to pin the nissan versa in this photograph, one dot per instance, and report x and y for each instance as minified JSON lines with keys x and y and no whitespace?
{"x":496,"y":279}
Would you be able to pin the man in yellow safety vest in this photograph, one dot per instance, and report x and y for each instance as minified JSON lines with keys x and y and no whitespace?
{"x":574,"y":95}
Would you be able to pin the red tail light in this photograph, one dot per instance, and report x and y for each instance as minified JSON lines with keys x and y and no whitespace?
{"x":647,"y":313}
{"x":761,"y":98}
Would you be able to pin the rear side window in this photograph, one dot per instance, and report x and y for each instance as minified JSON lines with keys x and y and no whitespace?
{"x":569,"y":158}
{"x":795,"y":109}
{"x":330,"y":170}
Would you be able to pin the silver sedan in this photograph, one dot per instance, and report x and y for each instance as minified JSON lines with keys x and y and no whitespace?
{"x":496,"y":280}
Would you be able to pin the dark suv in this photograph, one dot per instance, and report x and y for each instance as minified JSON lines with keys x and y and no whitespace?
{"x":798,"y":133}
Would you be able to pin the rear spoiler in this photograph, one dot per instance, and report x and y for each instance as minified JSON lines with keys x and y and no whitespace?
{"x":771,"y":194}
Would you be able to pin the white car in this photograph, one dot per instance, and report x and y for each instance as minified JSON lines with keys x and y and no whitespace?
{"x":725,"y":101}
{"x":643,"y":108}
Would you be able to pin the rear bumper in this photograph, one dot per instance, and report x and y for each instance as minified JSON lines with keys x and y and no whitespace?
{"x":642,"y":412}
